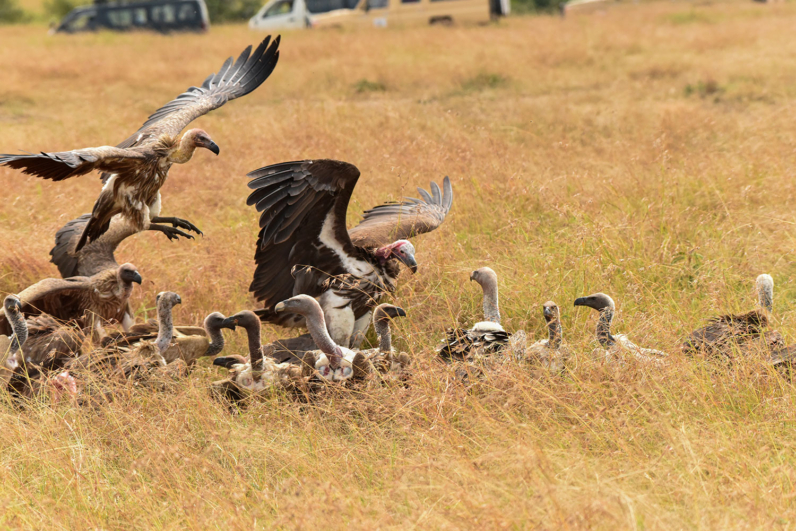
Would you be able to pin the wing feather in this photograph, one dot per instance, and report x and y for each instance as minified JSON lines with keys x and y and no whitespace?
{"x":62,"y":165}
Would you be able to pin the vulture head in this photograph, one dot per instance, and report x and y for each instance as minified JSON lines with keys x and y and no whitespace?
{"x":13,"y":310}
{"x":127,"y":274}
{"x":403,"y":250}
{"x":384,"y":313}
{"x":245,"y":319}
{"x":765,"y":291}
{"x":198,"y":138}
{"x":165,"y":301}
{"x":12,"y":306}
{"x":597,"y":301}
{"x":485,"y":276}
{"x":551,"y":312}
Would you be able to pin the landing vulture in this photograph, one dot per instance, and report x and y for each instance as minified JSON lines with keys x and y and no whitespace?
{"x":104,"y":295}
{"x":304,"y":246}
{"x":137,"y":168}
{"x":615,"y":346}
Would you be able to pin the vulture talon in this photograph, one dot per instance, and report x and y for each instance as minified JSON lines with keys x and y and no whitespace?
{"x":170,"y":232}
{"x":179,"y":223}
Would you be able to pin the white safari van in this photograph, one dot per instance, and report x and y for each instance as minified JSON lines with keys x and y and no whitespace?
{"x":294,"y":14}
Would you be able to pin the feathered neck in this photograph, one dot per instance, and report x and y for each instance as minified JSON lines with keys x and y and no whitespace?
{"x":20,"y":335}
{"x":555,"y":332}
{"x":216,"y":337}
{"x":254,"y":335}
{"x":183,"y":152}
{"x":765,"y":292}
{"x":604,"y":328}
{"x":491,"y":309}
{"x":317,"y":328}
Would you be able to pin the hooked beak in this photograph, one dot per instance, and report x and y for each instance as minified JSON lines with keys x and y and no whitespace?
{"x":137,"y":277}
{"x":410,"y":262}
{"x":230,"y":323}
{"x":548,"y":312}
{"x":212,"y":146}
{"x":400,"y":312}
{"x":280,"y":307}
{"x":178,"y":301}
{"x":581,"y":301}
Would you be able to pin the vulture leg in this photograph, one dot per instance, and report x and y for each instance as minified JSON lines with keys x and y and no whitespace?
{"x":361,"y":326}
{"x":178,"y":223}
{"x":170,"y":232}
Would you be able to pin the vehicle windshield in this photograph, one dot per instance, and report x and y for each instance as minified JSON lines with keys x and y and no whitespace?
{"x":280,"y":8}
{"x":80,"y":21}
{"x":324,"y":6}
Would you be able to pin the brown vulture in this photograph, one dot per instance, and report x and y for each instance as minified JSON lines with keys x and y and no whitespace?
{"x":550,"y":353}
{"x":744,"y":332}
{"x":615,"y":346}
{"x":485,"y":337}
{"x":104,"y":295}
{"x":304,"y":246}
{"x":135,"y":170}
{"x":98,"y":255}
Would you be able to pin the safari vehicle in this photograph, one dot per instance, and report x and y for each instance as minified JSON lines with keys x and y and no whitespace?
{"x":294,"y":14}
{"x":382,"y":13}
{"x":161,"y":15}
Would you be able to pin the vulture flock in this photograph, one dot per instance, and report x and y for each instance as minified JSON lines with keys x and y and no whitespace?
{"x":73,"y":336}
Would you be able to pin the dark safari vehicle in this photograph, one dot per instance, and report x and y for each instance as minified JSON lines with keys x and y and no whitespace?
{"x":161,"y":15}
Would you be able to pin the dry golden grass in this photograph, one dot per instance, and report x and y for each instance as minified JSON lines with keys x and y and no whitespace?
{"x":648,"y":153}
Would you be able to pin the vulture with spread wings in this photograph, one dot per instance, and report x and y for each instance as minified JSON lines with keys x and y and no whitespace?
{"x":135,"y":170}
{"x":304,"y":246}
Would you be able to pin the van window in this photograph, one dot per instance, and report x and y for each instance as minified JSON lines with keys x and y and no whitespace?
{"x":83,"y":21}
{"x":280,"y":8}
{"x":120,"y":18}
{"x":378,"y":4}
{"x":324,"y":6}
{"x":186,"y":12}
{"x":165,"y":14}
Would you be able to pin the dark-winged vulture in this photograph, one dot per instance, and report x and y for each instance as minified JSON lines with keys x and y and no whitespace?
{"x":304,"y":246}
{"x":137,"y":168}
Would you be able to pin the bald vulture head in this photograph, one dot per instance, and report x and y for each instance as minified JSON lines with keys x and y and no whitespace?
{"x":403,"y":250}
{"x":551,"y":312}
{"x":246,"y":319}
{"x":384,"y":313}
{"x":198,"y":138}
{"x":598,"y":301}
{"x":765,"y":291}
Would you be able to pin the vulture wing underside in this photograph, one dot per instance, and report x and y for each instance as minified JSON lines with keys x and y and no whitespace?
{"x":65,"y":164}
{"x":65,"y":240}
{"x":409,"y":217}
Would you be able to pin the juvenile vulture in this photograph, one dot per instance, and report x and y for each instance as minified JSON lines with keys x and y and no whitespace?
{"x":136,"y":169}
{"x":134,"y":359}
{"x":615,"y":346}
{"x":485,"y":337}
{"x":384,"y":358}
{"x":744,"y":332}
{"x":551,"y":353}
{"x":104,"y":295}
{"x":331,"y":361}
{"x":188,"y":343}
{"x":255,"y":374}
{"x":99,"y":254}
{"x":304,"y":246}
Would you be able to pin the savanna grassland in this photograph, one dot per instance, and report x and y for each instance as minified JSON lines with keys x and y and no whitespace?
{"x":648,"y":152}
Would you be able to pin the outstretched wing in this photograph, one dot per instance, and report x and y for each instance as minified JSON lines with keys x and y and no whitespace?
{"x":232,"y":81}
{"x":65,"y":240}
{"x":66,"y":164}
{"x":60,"y":298}
{"x":404,"y":219}
{"x":298,"y":201}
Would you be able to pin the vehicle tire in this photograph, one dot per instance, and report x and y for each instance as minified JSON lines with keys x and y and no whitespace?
{"x":441,"y":21}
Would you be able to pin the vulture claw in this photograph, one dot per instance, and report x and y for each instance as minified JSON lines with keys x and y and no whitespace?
{"x":171,"y":233}
{"x":179,"y":223}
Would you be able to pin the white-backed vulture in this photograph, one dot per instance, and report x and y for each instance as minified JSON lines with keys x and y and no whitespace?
{"x":11,"y":344}
{"x":256,"y":373}
{"x":138,"y":167}
{"x":124,"y":360}
{"x":99,"y":254}
{"x":188,"y":343}
{"x":744,"y":333}
{"x":615,"y":346}
{"x":485,"y":337}
{"x":304,"y":246}
{"x":551,"y":353}
{"x":331,"y":361}
{"x":104,"y":295}
{"x":384,"y":358}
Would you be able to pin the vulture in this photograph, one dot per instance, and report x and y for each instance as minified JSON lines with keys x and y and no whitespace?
{"x":105,"y":294}
{"x":134,"y":359}
{"x":485,"y":337}
{"x":744,"y":332}
{"x":331,"y":361}
{"x":188,"y":343}
{"x":99,"y":254}
{"x":257,"y":373}
{"x":384,"y":358}
{"x":135,"y":170}
{"x":12,"y":343}
{"x":305,"y":248}
{"x":618,"y":345}
{"x":550,"y":353}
